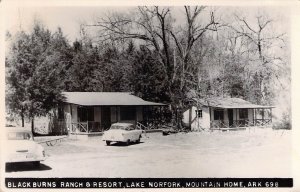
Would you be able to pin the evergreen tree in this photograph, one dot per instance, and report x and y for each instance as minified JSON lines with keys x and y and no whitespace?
{"x":34,"y":76}
{"x":150,"y":81}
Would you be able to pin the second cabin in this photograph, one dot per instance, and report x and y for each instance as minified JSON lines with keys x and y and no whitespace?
{"x":226,"y":113}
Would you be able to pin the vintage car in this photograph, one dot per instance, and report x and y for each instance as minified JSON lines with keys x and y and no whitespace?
{"x":122,"y":132}
{"x":22,"y":148}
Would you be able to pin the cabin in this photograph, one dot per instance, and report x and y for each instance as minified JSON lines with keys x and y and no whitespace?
{"x":225,"y":113}
{"x":96,"y":111}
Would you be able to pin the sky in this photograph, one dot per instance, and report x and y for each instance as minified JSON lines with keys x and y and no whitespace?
{"x":70,"y":17}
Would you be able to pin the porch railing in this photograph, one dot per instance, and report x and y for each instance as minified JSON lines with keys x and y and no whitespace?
{"x":88,"y":127}
{"x":139,"y":125}
{"x":240,"y":123}
{"x":152,"y":124}
{"x":262,"y":122}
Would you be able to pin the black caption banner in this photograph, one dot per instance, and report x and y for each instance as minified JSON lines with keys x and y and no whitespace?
{"x":148,"y":182}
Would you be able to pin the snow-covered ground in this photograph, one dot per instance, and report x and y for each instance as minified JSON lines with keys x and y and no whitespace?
{"x":248,"y":153}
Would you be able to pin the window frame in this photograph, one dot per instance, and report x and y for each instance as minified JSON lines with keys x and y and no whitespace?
{"x":199,"y":113}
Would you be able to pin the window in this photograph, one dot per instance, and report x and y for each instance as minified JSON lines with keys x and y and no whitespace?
{"x":218,"y":114}
{"x":199,"y":113}
{"x":127,"y":113}
{"x":243,"y":113}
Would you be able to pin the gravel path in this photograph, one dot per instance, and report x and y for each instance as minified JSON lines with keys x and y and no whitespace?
{"x":254,"y":153}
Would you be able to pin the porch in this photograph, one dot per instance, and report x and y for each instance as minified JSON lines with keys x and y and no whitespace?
{"x":242,"y":123}
{"x":94,"y":112}
{"x":237,"y":118}
{"x":97,"y":127}
{"x":87,"y":127}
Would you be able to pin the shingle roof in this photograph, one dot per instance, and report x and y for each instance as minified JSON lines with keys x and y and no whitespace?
{"x":106,"y":98}
{"x":230,"y":103}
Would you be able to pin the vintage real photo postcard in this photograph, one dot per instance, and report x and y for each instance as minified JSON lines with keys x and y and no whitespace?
{"x":122,"y":95}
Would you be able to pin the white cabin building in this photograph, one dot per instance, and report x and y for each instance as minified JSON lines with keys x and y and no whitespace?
{"x":226,"y":113}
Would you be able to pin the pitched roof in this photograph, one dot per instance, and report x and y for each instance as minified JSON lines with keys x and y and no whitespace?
{"x":106,"y":98}
{"x":230,"y":103}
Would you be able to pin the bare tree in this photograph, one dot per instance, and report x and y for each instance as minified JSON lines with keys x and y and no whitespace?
{"x":155,"y":27}
{"x":148,"y":25}
{"x":260,"y":44}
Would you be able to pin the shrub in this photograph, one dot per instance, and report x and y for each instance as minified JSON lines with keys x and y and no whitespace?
{"x":284,"y":123}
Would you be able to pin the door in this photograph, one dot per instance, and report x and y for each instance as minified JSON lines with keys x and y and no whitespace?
{"x":105,"y":117}
{"x":230,"y":117}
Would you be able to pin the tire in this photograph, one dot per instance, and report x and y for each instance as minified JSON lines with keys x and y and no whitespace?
{"x":127,"y":142}
{"x":139,"y":140}
{"x":36,"y":163}
{"x":108,"y":143}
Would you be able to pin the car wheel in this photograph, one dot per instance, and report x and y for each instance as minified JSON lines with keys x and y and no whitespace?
{"x":127,"y":142}
{"x":36,"y":163}
{"x":139,"y":140}
{"x":108,"y":143}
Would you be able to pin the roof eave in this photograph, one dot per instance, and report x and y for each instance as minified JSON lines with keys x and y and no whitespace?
{"x":84,"y":104}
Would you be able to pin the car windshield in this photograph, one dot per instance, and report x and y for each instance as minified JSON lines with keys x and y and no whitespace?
{"x":122,"y":127}
{"x":19,"y":136}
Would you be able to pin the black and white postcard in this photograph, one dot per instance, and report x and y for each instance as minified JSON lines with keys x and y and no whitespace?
{"x":139,"y":95}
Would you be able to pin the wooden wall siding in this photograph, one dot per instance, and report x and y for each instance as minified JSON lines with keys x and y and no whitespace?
{"x":74,"y":113}
{"x":139,"y":113}
{"x":97,"y":114}
{"x":114,"y":114}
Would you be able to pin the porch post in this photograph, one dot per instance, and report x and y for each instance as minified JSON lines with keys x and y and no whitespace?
{"x":236,"y":118}
{"x":190,"y":117}
{"x":87,"y":126}
{"x":271,"y":114}
{"x":117,"y":114}
{"x":147,"y":113}
{"x":253,"y":116}
{"x":160,"y":116}
{"x":136,"y":114}
{"x":87,"y":114}
{"x":210,"y":120}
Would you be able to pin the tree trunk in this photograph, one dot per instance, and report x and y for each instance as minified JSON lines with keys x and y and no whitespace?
{"x":22,"y":117}
{"x":32,"y":126}
{"x":190,"y":117}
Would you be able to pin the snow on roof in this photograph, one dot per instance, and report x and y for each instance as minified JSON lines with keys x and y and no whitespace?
{"x":231,"y":103}
{"x":106,"y":98}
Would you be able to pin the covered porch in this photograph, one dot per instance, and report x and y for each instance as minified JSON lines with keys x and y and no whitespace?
{"x":235,"y":113}
{"x":100,"y":118}
{"x":242,"y":118}
{"x":92,"y":112}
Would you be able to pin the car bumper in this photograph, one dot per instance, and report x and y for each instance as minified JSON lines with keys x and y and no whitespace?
{"x":114,"y":139}
{"x":26,"y":157}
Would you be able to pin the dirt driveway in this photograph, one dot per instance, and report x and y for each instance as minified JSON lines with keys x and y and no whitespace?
{"x":254,"y":153}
